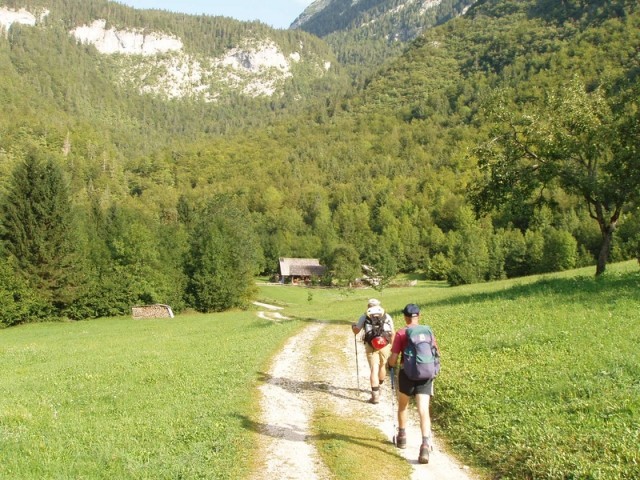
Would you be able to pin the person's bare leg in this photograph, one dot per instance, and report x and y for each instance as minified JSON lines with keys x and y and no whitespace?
{"x":375,"y":382}
{"x":422,"y":402}
{"x":426,"y":445}
{"x":374,"y":366}
{"x":374,"y":363}
{"x":382,"y":373}
{"x":403,"y":403}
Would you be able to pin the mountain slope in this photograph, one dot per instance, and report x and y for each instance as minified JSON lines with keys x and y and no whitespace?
{"x":396,"y":19}
{"x":141,"y":79}
{"x":176,"y":56}
{"x":366,"y":33}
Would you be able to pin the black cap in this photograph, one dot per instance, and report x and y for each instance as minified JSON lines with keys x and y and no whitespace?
{"x":411,"y":310}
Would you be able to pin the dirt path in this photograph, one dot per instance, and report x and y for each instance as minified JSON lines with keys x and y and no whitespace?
{"x":296,"y":382}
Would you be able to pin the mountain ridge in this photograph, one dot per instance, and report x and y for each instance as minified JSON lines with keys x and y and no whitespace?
{"x":381,"y":175}
{"x":253,"y":65}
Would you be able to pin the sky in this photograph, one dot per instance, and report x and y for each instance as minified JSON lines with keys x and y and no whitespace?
{"x":276,"y":13}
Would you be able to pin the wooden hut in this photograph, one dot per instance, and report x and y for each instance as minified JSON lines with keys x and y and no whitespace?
{"x":297,"y":270}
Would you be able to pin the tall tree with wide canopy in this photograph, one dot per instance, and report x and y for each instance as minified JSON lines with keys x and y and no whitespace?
{"x":574,"y":141}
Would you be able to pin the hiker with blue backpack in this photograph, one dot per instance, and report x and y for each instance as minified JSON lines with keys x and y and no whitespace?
{"x":420,"y":363}
{"x":378,"y":335}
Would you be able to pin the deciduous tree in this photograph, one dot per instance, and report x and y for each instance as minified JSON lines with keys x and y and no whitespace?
{"x":571,"y":141}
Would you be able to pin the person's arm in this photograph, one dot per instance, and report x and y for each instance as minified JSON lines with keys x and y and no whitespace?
{"x":396,"y":348}
{"x":393,"y":329}
{"x":356,"y":327}
{"x":393,"y":359}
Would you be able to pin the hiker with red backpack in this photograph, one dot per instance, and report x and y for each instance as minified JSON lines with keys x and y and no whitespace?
{"x":420,"y":363}
{"x":378,"y":335}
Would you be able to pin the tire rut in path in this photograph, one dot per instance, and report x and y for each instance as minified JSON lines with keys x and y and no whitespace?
{"x":286,"y":412}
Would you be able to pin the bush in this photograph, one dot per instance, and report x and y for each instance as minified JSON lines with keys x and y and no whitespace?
{"x":515,"y":253}
{"x":438,"y":267}
{"x":560,"y":251}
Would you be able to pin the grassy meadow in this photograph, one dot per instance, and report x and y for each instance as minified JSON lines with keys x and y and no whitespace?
{"x":123,"y":398}
{"x":541,"y":375}
{"x":540,"y":380}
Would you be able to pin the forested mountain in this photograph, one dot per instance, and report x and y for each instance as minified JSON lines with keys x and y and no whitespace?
{"x":501,"y":143}
{"x":366,"y":33}
{"x":149,"y":75}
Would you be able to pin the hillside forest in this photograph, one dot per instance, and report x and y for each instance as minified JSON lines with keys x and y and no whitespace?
{"x":501,"y":143}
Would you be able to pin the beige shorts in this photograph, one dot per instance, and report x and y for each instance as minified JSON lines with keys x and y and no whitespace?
{"x":377,"y":357}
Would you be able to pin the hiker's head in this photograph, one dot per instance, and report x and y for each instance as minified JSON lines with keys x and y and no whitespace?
{"x":411,"y":312}
{"x":373,"y":302}
{"x":375,"y":312}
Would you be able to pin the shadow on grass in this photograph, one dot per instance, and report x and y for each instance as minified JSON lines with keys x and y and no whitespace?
{"x":296,"y":435}
{"x":568,"y":290}
{"x":297,"y":386}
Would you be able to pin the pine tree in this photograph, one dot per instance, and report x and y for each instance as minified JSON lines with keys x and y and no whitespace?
{"x":38,"y":229}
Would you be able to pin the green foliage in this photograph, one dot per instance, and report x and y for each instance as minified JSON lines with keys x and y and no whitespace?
{"x":18,"y":303}
{"x":560,"y":251}
{"x":39,"y":230}
{"x":344,"y":265}
{"x":224,"y":256}
{"x":514,"y":248}
{"x":366,"y":34}
{"x":387,"y":167}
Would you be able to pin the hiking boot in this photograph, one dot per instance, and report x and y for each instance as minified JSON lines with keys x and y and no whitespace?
{"x":425,"y":449}
{"x":401,"y":440}
{"x":375,"y":397}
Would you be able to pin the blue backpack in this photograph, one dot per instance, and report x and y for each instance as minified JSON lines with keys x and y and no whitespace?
{"x":421,"y":357}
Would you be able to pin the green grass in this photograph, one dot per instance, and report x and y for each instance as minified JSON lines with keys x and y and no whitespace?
{"x":543,"y":381}
{"x":123,"y":398}
{"x":352,"y":449}
{"x":541,"y":375}
{"x":540,"y":380}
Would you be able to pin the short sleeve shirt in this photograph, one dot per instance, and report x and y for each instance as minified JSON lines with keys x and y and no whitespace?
{"x":399,"y":341}
{"x":361,"y":321}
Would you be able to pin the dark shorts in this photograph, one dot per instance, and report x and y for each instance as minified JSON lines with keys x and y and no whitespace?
{"x":412,"y":387}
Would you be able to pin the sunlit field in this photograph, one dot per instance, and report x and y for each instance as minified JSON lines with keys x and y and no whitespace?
{"x":540,"y":379}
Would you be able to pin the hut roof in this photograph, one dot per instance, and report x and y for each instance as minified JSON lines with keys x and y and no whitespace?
{"x":301,"y":267}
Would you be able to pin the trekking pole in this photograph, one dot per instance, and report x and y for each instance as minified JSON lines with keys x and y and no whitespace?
{"x":355,"y":344}
{"x":393,"y":401}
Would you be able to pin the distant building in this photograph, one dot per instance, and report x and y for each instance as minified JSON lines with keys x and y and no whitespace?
{"x":295,"y":270}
